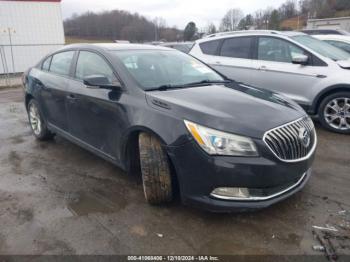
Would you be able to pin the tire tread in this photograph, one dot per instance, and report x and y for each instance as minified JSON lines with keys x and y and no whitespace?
{"x":155,"y":170}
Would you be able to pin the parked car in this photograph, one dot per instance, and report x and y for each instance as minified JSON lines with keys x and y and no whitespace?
{"x":340,"y":41}
{"x":313,"y":73}
{"x":325,"y":32}
{"x":181,"y":46}
{"x":224,"y":145}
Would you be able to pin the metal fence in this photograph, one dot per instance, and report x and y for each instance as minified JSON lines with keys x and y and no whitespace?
{"x":8,"y":79}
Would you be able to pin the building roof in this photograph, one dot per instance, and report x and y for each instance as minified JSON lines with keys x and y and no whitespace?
{"x":330,"y":19}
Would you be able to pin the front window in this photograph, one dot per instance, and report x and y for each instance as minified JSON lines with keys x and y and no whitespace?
{"x":322,"y":47}
{"x":92,"y":64}
{"x":155,"y":68}
{"x":277,"y":50}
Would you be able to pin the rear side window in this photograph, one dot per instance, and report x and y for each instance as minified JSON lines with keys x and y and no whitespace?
{"x":238,"y":47}
{"x":210,"y":48}
{"x":61,"y":63}
{"x":46,"y":64}
{"x":92,"y":64}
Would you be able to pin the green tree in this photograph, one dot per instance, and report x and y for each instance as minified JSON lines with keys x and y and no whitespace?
{"x":274,"y":21}
{"x":246,"y":22}
{"x":342,"y":4}
{"x":190,"y":31}
{"x":249,"y":20}
{"x":242,"y":24}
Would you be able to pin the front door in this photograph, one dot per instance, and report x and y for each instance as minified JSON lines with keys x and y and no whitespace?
{"x":275,"y":71}
{"x":94,"y":114}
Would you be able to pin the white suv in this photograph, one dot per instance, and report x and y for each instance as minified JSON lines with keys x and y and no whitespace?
{"x":313,"y":73}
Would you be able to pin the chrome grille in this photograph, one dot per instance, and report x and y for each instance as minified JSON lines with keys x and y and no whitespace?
{"x":289,"y":142}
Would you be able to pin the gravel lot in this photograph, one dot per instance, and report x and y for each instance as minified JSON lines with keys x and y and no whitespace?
{"x":56,"y":198}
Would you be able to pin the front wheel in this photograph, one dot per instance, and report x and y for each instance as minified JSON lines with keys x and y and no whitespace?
{"x":334,"y":112}
{"x":155,"y":169}
{"x":37,"y":123}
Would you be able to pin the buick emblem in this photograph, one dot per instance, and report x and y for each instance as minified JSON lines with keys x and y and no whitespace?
{"x":304,"y":137}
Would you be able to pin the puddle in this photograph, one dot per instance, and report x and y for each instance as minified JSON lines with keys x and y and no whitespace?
{"x":15,"y":161}
{"x":225,"y":246}
{"x":82,"y":204}
{"x":16,"y":140}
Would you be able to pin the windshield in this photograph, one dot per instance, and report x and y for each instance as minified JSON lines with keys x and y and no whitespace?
{"x":156,"y":68}
{"x":322,"y":47}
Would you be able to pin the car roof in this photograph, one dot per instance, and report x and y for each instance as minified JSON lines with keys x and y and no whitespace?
{"x":222,"y":35}
{"x":115,"y":47}
{"x":345,"y":38}
{"x":176,"y":43}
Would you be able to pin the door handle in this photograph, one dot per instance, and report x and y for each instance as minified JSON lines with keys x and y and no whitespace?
{"x":71,"y":97}
{"x":263,"y":68}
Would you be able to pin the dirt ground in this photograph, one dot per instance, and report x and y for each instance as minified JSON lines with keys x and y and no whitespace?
{"x":56,"y":198}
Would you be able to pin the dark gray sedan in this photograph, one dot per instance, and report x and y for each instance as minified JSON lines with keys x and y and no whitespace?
{"x":219,"y":144}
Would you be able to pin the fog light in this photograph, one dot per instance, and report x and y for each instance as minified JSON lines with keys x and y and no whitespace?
{"x":237,"y":192}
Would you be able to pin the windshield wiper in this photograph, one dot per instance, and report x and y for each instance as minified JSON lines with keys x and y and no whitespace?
{"x":208,"y":82}
{"x":164,"y":87}
{"x":199,"y":83}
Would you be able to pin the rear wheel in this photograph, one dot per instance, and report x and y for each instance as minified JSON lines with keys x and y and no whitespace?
{"x":37,"y":122}
{"x":155,"y":169}
{"x":334,"y":112}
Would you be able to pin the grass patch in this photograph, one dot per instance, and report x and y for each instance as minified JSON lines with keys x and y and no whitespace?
{"x":76,"y":40}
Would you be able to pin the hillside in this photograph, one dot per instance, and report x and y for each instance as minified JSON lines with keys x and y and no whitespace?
{"x":293,"y":24}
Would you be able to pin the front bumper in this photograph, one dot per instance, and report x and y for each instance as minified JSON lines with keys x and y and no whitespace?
{"x":199,"y":174}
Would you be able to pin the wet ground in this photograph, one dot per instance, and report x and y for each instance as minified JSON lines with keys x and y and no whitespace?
{"x":56,"y":198}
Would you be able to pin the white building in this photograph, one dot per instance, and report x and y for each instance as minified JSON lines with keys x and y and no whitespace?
{"x":337,"y":23}
{"x":29,"y":29}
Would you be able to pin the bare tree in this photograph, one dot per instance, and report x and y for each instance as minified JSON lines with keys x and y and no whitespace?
{"x":159,"y":26}
{"x":231,"y":19}
{"x":288,"y":9}
{"x":210,"y":29}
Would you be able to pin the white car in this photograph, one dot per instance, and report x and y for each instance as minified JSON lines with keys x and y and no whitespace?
{"x":311,"y":72}
{"x":340,"y":41}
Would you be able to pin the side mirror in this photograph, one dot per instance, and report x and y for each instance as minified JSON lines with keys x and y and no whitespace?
{"x":100,"y":81}
{"x":300,"y":59}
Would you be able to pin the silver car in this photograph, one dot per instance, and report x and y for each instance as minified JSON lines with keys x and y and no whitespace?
{"x":313,"y":73}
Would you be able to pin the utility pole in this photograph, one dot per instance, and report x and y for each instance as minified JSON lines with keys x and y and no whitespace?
{"x":10,"y":38}
{"x":298,"y":22}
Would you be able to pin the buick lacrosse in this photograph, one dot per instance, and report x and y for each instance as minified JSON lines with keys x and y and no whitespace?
{"x":186,"y":129}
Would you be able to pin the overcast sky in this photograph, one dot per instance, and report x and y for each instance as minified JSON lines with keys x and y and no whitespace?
{"x":175,"y":12}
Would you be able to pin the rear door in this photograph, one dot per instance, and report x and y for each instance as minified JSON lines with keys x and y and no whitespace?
{"x":55,"y":79}
{"x":274,"y":69}
{"x":234,"y":58}
{"x":94,"y":114}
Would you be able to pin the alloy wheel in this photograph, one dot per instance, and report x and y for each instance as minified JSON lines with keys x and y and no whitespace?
{"x":34,"y":119}
{"x":337,"y":113}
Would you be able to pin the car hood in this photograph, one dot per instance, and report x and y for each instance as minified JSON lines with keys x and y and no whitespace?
{"x":234,"y":108}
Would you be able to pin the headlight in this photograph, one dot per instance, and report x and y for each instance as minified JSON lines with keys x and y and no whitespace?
{"x":216,"y":142}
